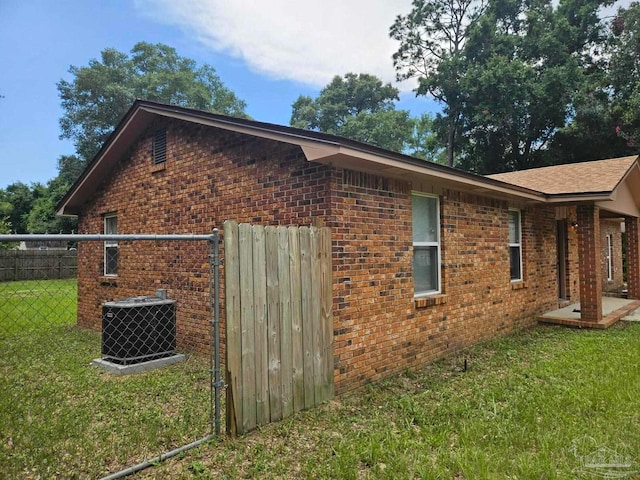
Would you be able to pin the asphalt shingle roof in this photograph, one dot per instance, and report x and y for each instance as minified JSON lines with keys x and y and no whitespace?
{"x":571,"y":178}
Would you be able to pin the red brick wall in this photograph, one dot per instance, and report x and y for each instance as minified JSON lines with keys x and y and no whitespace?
{"x":573,"y":270}
{"x":210,"y":175}
{"x":611,"y":227}
{"x":633,"y":260}
{"x":589,"y":252}
{"x":379,"y":328}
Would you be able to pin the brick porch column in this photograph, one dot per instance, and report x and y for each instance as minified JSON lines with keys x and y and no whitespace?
{"x":589,"y":259}
{"x":633,"y":257}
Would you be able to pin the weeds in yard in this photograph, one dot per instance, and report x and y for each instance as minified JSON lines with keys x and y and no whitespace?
{"x":515,"y":413}
{"x":518,"y":411}
{"x":62,"y":417}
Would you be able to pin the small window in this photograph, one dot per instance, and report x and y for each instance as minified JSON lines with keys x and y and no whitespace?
{"x":515,"y":245}
{"x":609,"y":261}
{"x":159,"y":147}
{"x":110,"y":247}
{"x":426,"y":244}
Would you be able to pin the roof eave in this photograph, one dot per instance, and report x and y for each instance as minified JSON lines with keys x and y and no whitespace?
{"x":317,"y":146}
{"x":579,"y":197}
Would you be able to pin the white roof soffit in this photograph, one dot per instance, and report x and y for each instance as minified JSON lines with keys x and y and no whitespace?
{"x":332,"y":153}
{"x":344,"y":156}
{"x":625,"y":199}
{"x":317,"y":149}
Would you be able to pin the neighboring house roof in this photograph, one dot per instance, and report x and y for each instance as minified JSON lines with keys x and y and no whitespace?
{"x":318,"y":147}
{"x":573,"y":178}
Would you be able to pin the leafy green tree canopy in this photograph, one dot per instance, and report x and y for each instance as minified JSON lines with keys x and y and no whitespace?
{"x":526,"y":62}
{"x":432,"y":37}
{"x":100,"y":93}
{"x":42,"y":216}
{"x":360,"y":107}
{"x":16,"y":201}
{"x":624,"y":68}
{"x":5,"y":229}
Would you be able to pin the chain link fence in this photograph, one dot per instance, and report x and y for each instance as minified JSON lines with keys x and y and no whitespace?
{"x":82,"y":394}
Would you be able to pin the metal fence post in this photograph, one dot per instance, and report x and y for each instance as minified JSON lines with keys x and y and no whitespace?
{"x":216,"y":382}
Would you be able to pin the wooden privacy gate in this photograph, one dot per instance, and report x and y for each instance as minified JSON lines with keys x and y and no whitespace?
{"x":279,"y":340}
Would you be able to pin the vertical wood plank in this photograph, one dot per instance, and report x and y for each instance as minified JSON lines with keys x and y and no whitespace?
{"x":316,"y":319}
{"x":307,"y":315}
{"x":273,"y":325}
{"x":233,"y":345}
{"x":261,"y":369}
{"x":285,"y":322}
{"x":326,"y":313}
{"x":296,"y":319}
{"x":247,"y":310}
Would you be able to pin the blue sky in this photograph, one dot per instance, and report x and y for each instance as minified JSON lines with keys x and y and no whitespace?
{"x":268,"y":53}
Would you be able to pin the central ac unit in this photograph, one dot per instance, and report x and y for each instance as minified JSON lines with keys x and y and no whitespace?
{"x":138,"y":329}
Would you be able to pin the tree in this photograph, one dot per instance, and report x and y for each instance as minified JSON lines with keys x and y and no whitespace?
{"x":425,"y":143}
{"x":360,"y":107}
{"x":101,"y":93}
{"x":624,"y":74}
{"x":16,"y":201}
{"x":42,"y":217}
{"x":432,"y":38}
{"x":526,"y":61}
{"x":5,"y":229}
{"x":69,"y":169}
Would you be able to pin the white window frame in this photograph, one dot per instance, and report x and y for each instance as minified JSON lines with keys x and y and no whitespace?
{"x":516,"y":244}
{"x":436,"y":244}
{"x":109,"y":243}
{"x":609,"y":259}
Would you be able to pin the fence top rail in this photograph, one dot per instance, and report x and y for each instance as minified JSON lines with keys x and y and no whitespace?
{"x":99,"y":237}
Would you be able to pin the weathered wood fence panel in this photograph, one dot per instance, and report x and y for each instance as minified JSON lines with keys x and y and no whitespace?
{"x":279,"y":322}
{"x":37,"y":264}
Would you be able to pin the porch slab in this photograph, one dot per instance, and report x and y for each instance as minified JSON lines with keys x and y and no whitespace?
{"x":613,"y":309}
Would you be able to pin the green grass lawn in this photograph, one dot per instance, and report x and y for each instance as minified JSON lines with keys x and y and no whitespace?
{"x":35,"y":305}
{"x":62,"y":418}
{"x":530,"y":406}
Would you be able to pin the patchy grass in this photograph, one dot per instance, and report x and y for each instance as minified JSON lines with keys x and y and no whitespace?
{"x":533,"y":405}
{"x":61,"y":417}
{"x":36,"y":305}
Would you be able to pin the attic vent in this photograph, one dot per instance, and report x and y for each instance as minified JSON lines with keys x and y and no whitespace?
{"x":373,"y":182}
{"x":159,"y":146}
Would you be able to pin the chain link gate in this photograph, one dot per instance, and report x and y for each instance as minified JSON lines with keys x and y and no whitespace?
{"x":65,"y":418}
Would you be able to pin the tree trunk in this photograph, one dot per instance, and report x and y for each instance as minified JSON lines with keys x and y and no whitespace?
{"x":451,"y":141}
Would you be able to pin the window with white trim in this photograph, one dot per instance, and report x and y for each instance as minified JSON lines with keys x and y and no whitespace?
{"x":515,"y":245}
{"x":110,"y":247}
{"x":609,"y":260}
{"x":426,"y":244}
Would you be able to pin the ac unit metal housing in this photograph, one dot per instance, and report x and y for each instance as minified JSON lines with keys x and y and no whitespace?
{"x":138,"y":329}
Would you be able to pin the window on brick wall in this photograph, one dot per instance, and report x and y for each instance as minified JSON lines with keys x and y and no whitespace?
{"x":159,"y":146}
{"x":515,"y":245}
{"x":426,"y":244}
{"x":609,"y":260}
{"x":110,"y":247}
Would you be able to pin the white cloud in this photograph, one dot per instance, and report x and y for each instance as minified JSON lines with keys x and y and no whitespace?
{"x":305,"y":41}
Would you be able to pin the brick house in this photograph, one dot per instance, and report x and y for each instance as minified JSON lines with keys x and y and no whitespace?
{"x":426,"y":259}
